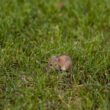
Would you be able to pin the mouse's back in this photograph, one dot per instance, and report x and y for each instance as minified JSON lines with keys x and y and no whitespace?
{"x":65,"y":63}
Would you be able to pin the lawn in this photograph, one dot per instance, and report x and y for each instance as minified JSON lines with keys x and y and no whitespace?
{"x":31,"y":31}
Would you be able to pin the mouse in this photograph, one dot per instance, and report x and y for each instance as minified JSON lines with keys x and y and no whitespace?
{"x":60,"y":63}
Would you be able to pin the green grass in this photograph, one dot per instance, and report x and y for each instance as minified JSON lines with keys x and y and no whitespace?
{"x":33,"y":30}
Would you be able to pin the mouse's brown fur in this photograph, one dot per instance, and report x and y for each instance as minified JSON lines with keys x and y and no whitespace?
{"x":60,"y":63}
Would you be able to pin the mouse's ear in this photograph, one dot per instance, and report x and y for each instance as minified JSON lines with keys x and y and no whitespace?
{"x":57,"y":59}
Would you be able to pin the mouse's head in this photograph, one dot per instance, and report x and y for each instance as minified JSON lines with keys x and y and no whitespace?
{"x":53,"y":63}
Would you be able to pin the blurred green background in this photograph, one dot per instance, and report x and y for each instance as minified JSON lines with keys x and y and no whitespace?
{"x":33,"y":30}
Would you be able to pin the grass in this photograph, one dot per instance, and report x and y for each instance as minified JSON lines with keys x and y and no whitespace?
{"x":33,"y":30}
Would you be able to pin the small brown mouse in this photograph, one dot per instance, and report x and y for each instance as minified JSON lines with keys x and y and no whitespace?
{"x":60,"y":63}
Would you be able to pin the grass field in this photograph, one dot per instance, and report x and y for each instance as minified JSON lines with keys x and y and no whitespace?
{"x":31,"y":31}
